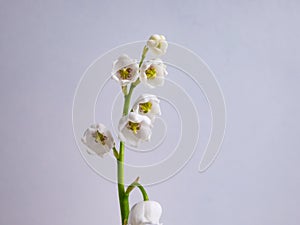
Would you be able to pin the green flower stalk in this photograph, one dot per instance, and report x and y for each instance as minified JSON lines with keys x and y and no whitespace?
{"x":123,"y":196}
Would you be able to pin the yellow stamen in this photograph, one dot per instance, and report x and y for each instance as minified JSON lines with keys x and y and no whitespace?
{"x":125,"y":73}
{"x":151,"y":73}
{"x":100,"y":138}
{"x":145,"y":107}
{"x":133,"y":126}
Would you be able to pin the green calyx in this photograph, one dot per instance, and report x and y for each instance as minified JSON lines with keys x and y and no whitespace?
{"x":151,"y":73}
{"x":125,"y":73}
{"x":145,"y":107}
{"x":134,"y":126}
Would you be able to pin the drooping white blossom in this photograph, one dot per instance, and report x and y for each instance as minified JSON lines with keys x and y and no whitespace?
{"x":153,"y":73}
{"x":125,"y":70}
{"x":147,"y":105}
{"x":145,"y":213}
{"x":134,"y":129}
{"x":157,"y":44}
{"x":98,"y":139}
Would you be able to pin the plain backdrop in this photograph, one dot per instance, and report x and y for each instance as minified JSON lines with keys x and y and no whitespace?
{"x":253,"y":48}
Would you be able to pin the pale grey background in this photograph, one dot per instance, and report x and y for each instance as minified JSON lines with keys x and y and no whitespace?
{"x":253,"y":48}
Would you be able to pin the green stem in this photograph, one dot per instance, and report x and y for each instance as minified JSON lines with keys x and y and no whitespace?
{"x":123,"y":200}
{"x":128,"y":97}
{"x":123,"y":197}
{"x":145,"y":50}
{"x":142,"y":189}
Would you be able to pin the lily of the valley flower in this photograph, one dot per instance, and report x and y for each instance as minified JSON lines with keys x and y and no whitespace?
{"x":147,"y":105}
{"x":134,"y":129}
{"x":98,"y":139}
{"x":125,"y":70}
{"x":157,"y":44}
{"x":153,"y":73}
{"x":144,"y":213}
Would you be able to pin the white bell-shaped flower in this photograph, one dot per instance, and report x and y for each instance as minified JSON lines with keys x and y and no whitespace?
{"x":98,"y":139}
{"x":134,"y":129}
{"x":157,"y":44}
{"x":125,"y":70}
{"x":153,"y":73}
{"x":147,"y":105}
{"x":145,"y":213}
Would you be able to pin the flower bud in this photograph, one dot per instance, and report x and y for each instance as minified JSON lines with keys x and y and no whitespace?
{"x":145,"y":212}
{"x":157,"y":44}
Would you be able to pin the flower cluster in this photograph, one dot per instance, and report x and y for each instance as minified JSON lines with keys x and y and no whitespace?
{"x":151,"y":73}
{"x":135,"y":126}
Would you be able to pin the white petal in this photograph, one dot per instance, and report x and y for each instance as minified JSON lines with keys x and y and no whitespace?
{"x":146,"y":98}
{"x":121,"y":62}
{"x":145,"y":212}
{"x":144,"y":133}
{"x":157,"y":82}
{"x":162,"y":37}
{"x":125,"y":61}
{"x":130,"y":137}
{"x":94,"y":147}
{"x":134,"y":117}
{"x":161,"y":72}
{"x":143,"y":78}
{"x":163,"y":46}
{"x":122,"y":123}
{"x":155,"y":109}
{"x":155,"y":41}
{"x":155,"y":37}
{"x":157,"y":51}
{"x":151,"y":43}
